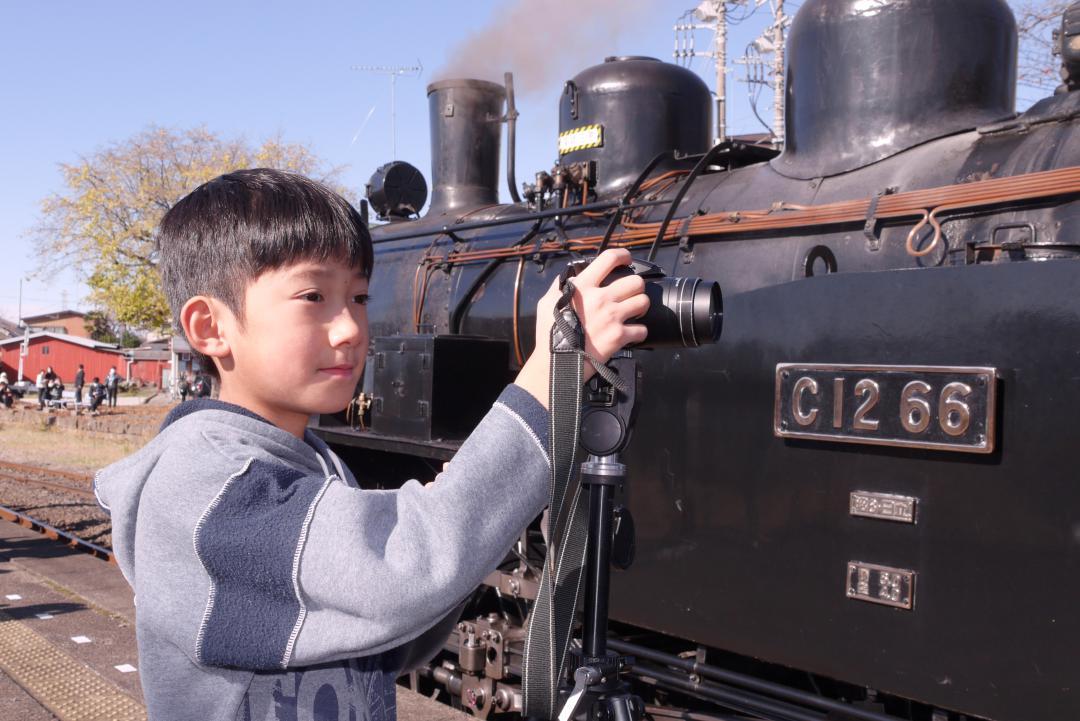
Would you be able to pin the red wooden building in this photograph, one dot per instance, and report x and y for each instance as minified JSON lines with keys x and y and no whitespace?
{"x":64,"y":353}
{"x":150,"y":363}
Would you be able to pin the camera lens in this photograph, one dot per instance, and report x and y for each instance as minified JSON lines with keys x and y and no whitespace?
{"x":683,"y":312}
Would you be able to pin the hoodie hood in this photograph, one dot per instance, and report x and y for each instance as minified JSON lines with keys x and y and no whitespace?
{"x":198,"y":437}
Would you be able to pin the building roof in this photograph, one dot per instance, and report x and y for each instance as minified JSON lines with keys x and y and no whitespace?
{"x":152,"y":350}
{"x":150,"y":354}
{"x":9,"y":329}
{"x":77,"y":340}
{"x":179,"y":344}
{"x":58,"y":315}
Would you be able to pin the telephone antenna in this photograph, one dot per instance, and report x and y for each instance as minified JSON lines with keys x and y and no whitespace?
{"x":394,"y":71}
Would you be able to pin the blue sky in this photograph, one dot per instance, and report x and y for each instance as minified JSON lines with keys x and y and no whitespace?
{"x":75,"y":76}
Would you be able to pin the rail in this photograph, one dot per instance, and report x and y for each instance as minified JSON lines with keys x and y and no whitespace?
{"x":69,"y":540}
{"x":19,"y":473}
{"x":18,"y":468}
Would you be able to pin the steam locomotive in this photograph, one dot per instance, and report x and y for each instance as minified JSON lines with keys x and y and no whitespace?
{"x":860,"y":502}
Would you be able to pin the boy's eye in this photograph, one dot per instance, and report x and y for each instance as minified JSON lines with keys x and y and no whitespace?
{"x":361,"y":299}
{"x":313,"y":297}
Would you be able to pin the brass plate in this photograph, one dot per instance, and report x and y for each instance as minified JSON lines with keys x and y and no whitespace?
{"x":881,"y":584}
{"x":949,"y":408}
{"x":886,"y":506}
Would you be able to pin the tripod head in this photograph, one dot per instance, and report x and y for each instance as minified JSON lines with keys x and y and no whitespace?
{"x":607,"y":414}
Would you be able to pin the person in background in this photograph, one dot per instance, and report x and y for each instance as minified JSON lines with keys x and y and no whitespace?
{"x":112,"y":385}
{"x":3,"y":377}
{"x":97,"y":395}
{"x":45,"y":380}
{"x":7,"y":397}
{"x":202,"y":386}
{"x":55,"y":394}
{"x":80,"y":381}
{"x":40,"y":385}
{"x":184,"y":387}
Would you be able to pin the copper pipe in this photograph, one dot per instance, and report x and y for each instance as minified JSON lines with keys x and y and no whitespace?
{"x":423,"y":296}
{"x":517,"y":311}
{"x":924,"y":204}
{"x":909,"y":244}
{"x":415,"y":286}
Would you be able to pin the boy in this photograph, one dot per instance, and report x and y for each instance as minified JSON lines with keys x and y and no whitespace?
{"x":97,"y":395}
{"x":268,"y":585}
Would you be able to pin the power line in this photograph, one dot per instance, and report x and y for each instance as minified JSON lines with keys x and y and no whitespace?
{"x":718,"y":16}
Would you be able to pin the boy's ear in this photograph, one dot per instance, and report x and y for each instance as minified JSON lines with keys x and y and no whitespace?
{"x":202,"y":320}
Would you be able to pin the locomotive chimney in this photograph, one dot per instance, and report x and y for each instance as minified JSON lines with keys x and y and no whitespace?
{"x":466,"y":122}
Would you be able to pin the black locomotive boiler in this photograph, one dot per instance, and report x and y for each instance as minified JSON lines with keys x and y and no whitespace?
{"x":863,"y":501}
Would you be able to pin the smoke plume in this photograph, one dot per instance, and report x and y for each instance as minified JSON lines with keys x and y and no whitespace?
{"x":543,"y":42}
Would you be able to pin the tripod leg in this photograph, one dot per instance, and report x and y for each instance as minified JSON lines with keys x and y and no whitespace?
{"x":623,"y":707}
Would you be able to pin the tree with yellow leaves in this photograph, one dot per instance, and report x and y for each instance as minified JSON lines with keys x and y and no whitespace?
{"x":103,"y":223}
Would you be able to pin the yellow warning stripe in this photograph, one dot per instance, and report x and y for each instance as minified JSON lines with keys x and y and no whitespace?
{"x":66,"y":687}
{"x":586,"y":136}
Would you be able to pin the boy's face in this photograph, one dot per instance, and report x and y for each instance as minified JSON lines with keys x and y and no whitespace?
{"x":301,"y":346}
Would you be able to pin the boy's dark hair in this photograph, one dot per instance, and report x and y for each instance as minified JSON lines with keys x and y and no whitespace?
{"x":232,"y":229}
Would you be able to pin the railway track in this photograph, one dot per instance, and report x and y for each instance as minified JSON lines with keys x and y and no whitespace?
{"x":79,"y":484}
{"x":63,"y":504}
{"x":68,"y":539}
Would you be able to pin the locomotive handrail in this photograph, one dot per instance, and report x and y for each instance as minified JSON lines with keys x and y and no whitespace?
{"x":511,"y":219}
{"x":782,"y":216}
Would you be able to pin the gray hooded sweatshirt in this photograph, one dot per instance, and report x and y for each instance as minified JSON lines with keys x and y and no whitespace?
{"x":269,"y":586}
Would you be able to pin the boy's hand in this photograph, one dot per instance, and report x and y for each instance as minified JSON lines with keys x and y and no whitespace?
{"x":603,"y":311}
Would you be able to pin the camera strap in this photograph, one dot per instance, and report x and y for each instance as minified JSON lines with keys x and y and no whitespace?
{"x":551,"y":622}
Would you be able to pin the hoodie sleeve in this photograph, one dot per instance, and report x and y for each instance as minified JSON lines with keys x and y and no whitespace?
{"x":317,"y":570}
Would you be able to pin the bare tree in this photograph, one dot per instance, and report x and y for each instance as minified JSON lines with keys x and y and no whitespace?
{"x":1036,"y":21}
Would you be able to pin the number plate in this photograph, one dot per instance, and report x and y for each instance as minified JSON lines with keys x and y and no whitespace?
{"x":937,"y":407}
{"x":881,"y":584}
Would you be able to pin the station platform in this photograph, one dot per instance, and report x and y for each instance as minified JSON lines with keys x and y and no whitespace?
{"x":67,"y":638}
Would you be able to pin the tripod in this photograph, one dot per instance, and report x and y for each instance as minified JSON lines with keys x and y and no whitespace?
{"x":600,"y":693}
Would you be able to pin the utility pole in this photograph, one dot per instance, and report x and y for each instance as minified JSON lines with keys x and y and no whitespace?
{"x":778,"y":74}
{"x":393,"y":71}
{"x":720,"y":53}
{"x":711,"y":15}
{"x":24,"y":347}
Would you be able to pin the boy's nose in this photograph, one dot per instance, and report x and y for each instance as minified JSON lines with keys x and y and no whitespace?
{"x":347,"y":329}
